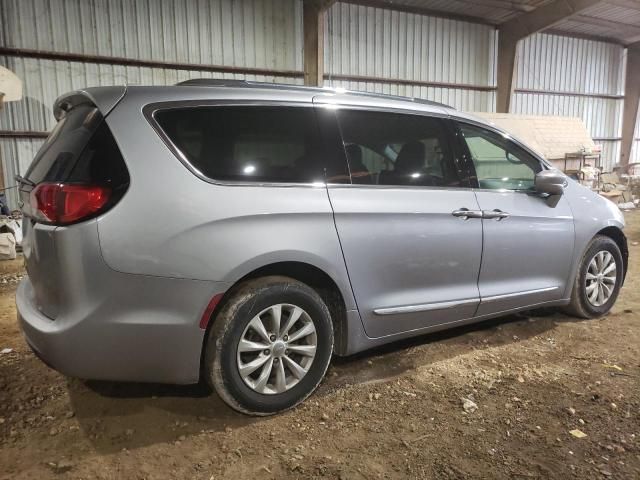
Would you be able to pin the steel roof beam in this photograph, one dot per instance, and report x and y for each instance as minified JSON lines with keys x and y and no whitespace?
{"x":514,"y":30}
{"x":632,"y":4}
{"x":631,"y":100}
{"x":627,"y":31}
{"x":313,"y":37}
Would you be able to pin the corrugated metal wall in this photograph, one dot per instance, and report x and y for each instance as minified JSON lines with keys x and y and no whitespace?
{"x":371,"y":42}
{"x":571,"y":65}
{"x":241,"y":33}
{"x":366,"y":48}
{"x":247,"y":33}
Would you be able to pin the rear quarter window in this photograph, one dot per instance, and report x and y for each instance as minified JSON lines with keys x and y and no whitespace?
{"x":255,"y":144}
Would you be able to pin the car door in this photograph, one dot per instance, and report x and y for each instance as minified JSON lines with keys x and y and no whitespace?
{"x":408,"y":224}
{"x":528,"y":240}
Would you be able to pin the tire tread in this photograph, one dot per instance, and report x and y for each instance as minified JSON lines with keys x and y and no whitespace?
{"x":245,"y":292}
{"x":577,"y":306}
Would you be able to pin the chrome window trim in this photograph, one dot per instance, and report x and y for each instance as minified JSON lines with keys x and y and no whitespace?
{"x":380,"y":109}
{"x":151,"y":109}
{"x":507,"y":190}
{"x":425,"y":307}
{"x":399,"y":187}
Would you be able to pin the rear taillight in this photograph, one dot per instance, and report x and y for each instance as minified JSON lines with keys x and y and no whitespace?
{"x":61,"y":204}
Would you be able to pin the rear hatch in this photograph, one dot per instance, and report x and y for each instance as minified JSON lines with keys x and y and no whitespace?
{"x":78,"y":174}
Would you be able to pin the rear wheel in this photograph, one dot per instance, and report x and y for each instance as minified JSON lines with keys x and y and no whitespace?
{"x":598,"y":280}
{"x":270,"y":346}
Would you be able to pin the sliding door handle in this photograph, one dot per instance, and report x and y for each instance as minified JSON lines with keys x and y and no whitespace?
{"x":495,"y":214}
{"x":466,"y":214}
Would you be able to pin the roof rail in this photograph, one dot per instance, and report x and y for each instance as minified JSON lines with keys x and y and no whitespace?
{"x":221,"y":82}
{"x":216,"y":82}
{"x":421,"y":101}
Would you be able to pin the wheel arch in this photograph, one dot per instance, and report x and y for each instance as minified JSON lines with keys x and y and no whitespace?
{"x":304,"y":272}
{"x":617,"y":235}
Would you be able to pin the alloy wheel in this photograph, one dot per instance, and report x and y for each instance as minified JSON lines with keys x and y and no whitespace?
{"x":600,"y":279}
{"x":277,"y":349}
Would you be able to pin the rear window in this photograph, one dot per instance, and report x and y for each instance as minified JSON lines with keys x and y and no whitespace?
{"x":57,"y":157}
{"x":80,"y":149}
{"x":262,"y":144}
{"x":101,"y":162}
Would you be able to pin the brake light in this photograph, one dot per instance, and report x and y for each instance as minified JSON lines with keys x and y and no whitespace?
{"x":61,"y":204}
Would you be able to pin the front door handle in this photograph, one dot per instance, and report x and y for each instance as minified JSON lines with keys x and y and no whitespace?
{"x":496,"y":214}
{"x":466,"y":214}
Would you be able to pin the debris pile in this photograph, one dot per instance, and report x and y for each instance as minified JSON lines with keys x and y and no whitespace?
{"x":10,"y":236}
{"x":623,"y":189}
{"x":617,"y":189}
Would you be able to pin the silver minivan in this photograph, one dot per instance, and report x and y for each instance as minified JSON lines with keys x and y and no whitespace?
{"x":244,"y":233}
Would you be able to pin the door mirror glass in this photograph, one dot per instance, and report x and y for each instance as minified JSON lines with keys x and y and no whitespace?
{"x":551,"y":182}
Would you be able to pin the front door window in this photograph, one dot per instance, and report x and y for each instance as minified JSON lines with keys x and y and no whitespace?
{"x":500,"y":164}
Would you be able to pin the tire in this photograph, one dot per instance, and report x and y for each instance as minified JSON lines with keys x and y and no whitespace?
{"x":581,"y":305}
{"x":260,"y":299}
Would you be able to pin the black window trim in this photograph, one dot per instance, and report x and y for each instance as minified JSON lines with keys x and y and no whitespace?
{"x":457,"y":122}
{"x":450,"y":130}
{"x":151,"y":109}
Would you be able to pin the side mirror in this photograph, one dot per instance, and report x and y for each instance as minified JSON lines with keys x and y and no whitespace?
{"x":550,"y":182}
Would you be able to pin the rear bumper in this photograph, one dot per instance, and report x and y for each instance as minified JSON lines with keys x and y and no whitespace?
{"x":145,"y":329}
{"x":36,"y":327}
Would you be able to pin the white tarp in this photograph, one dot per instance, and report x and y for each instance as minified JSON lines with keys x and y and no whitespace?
{"x":10,"y":86}
{"x":7,"y":246}
{"x":14,"y":226}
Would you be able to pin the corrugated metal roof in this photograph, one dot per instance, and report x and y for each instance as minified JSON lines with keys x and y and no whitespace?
{"x":613,"y":20}
{"x":491,"y":11}
{"x":605,"y":20}
{"x":576,"y":28}
{"x":614,"y":13}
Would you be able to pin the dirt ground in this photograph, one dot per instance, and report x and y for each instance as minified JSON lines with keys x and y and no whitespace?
{"x":395,"y":412}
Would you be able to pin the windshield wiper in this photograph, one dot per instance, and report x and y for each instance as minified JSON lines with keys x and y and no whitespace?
{"x":24,"y":181}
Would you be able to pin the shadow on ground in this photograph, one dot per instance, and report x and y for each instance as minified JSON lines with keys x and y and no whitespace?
{"x":115,"y":416}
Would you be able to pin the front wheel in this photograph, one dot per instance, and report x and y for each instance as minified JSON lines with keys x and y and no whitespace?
{"x":270,"y":346}
{"x":598,"y":280}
